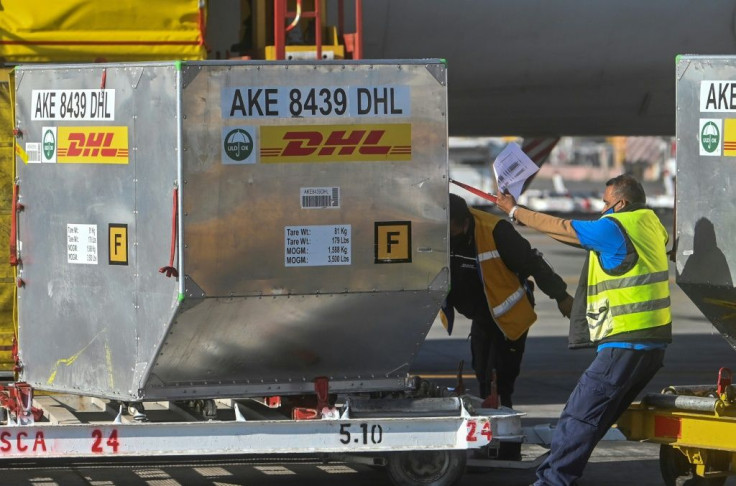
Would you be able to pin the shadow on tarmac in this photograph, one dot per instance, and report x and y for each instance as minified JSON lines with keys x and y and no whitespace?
{"x":550,"y":370}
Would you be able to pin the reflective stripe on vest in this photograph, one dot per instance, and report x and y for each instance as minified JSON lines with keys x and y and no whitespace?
{"x":629,"y":282}
{"x":487,"y":255}
{"x":640,"y":298}
{"x":507,"y":304}
{"x":650,"y":305}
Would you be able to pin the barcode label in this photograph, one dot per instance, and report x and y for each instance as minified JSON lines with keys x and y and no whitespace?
{"x":511,"y":172}
{"x":33,"y":150}
{"x":320,"y":197}
{"x":511,"y":169}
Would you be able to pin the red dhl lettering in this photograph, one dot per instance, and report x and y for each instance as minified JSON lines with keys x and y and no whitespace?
{"x":20,"y":442}
{"x":92,"y":145}
{"x":307,"y":143}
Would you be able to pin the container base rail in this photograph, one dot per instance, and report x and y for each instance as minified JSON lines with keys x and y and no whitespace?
{"x":416,"y":439}
{"x":695,"y":427}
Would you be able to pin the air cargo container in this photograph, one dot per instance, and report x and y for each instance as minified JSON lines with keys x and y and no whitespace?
{"x":255,"y":248}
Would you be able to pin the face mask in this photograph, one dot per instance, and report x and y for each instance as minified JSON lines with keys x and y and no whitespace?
{"x":610,"y":210}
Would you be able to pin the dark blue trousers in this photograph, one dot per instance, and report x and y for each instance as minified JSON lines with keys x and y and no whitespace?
{"x":606,"y":389}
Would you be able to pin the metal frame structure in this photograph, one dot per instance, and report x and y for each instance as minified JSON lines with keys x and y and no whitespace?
{"x":79,"y":427}
{"x":692,"y":442}
{"x":281,"y":14}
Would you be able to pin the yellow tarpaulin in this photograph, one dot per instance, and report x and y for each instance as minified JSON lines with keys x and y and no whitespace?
{"x":7,"y":287}
{"x":93,"y":30}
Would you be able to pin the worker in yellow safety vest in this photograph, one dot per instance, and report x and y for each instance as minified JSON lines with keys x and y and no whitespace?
{"x":622,"y":306}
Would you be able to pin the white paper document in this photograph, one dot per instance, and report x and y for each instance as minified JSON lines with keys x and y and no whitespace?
{"x":512,"y":168}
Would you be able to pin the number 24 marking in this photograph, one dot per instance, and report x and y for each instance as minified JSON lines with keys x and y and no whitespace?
{"x":485,"y":431}
{"x":112,"y":441}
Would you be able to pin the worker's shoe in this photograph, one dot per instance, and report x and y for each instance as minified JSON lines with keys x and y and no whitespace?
{"x":506,"y":400}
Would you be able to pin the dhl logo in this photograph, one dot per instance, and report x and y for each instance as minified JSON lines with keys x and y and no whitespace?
{"x":92,"y":145}
{"x":336,"y":143}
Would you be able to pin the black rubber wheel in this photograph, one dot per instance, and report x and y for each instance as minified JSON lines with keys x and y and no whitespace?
{"x":426,"y":468}
{"x":677,"y":471}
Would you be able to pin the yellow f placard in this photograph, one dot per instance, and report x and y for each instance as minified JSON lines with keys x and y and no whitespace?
{"x":118,"y":244}
{"x":393,"y":242}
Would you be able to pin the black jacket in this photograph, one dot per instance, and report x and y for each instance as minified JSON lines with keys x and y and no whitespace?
{"x":466,"y":288}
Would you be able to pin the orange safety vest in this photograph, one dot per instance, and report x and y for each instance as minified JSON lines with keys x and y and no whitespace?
{"x":506,"y":296}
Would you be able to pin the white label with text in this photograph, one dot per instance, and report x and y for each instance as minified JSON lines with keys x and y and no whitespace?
{"x":73,"y":104}
{"x":81,"y":243}
{"x":315,"y":246}
{"x":316,"y":101}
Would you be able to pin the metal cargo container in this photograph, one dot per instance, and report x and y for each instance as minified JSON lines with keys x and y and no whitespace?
{"x":706,"y":181}
{"x":309,"y":211}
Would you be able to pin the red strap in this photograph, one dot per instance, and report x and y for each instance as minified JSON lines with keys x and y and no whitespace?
{"x":322,"y":389}
{"x":477,"y":192}
{"x":170,"y":270}
{"x":14,"y":261}
{"x":724,"y":380}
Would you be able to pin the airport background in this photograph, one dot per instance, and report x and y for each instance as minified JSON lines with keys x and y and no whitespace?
{"x":573,"y":177}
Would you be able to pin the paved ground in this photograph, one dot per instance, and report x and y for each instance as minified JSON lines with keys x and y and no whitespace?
{"x":614,"y":464}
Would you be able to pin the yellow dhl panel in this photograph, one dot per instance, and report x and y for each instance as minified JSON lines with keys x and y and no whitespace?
{"x":7,"y":273}
{"x":91,"y":30}
{"x":335,"y":143}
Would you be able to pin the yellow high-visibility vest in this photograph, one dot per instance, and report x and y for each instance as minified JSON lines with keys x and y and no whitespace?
{"x":639,"y":298}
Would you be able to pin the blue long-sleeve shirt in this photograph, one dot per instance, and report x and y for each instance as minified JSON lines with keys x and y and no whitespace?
{"x":604,"y":237}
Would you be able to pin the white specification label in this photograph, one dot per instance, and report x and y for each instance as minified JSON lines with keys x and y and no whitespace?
{"x":81,"y":243}
{"x":315,"y":246}
{"x":73,"y":104}
{"x":316,"y":101}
